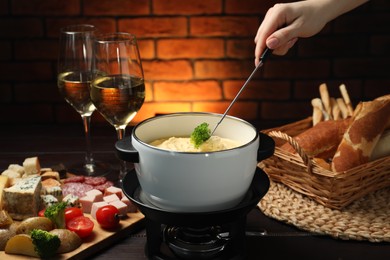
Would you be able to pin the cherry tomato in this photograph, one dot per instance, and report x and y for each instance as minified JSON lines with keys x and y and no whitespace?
{"x":107,"y":216}
{"x":81,"y":225}
{"x":41,"y":213}
{"x":72,"y":213}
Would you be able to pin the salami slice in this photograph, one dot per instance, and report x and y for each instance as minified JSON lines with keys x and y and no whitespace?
{"x":76,"y":188}
{"x":95,"y":181}
{"x":74,"y":179}
{"x":104,"y":186}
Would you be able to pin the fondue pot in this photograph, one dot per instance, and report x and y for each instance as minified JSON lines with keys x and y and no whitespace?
{"x":194,"y":181}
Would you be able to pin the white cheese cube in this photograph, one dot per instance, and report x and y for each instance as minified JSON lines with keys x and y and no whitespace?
{"x":31,"y":166}
{"x":16,"y":168}
{"x":11,"y":174}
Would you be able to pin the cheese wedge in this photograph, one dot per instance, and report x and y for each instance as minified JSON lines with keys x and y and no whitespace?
{"x":4,"y":182}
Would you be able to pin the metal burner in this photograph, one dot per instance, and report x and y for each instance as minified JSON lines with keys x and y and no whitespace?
{"x":196,"y":243}
{"x":218,"y":235}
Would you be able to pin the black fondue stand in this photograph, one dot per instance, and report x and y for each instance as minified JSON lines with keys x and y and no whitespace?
{"x":197,"y":235}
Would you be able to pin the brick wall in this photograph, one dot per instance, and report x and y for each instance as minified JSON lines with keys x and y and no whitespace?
{"x":196,"y":55}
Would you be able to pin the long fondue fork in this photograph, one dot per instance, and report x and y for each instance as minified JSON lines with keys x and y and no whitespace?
{"x":262,"y":59}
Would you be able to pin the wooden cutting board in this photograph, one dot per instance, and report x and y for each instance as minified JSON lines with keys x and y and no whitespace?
{"x":97,"y":241}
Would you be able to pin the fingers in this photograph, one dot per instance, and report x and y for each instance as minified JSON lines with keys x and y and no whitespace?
{"x":277,"y":31}
{"x":283,"y":49}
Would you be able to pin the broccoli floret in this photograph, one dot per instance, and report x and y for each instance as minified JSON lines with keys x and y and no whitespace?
{"x":56,"y":213}
{"x":200,"y":134}
{"x":46,"y":244}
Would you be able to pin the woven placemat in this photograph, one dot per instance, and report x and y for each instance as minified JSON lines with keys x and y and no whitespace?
{"x":365,"y":219}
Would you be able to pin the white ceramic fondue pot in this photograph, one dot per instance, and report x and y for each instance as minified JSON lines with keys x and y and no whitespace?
{"x":191,"y":181}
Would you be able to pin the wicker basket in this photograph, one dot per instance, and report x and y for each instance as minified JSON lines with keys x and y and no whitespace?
{"x":332,"y":189}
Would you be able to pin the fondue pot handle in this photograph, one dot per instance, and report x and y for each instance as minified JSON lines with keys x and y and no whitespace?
{"x":266,"y":147}
{"x":126,"y":151}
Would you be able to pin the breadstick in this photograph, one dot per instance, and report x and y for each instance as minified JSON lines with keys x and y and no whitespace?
{"x":317,"y":110}
{"x":336,"y":113}
{"x":347,"y":100}
{"x":325,"y":99}
{"x":343,"y":107}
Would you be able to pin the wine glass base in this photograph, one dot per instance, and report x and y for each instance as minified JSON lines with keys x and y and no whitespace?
{"x":94,"y":169}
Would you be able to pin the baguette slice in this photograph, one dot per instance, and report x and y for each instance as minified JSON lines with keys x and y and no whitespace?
{"x":321,"y":140}
{"x":368,"y":123}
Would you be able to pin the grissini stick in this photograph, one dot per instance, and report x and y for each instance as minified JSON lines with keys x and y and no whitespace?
{"x":325,"y":100}
{"x":343,"y":107}
{"x":347,"y":100}
{"x":317,"y":110}
{"x":336,"y":113}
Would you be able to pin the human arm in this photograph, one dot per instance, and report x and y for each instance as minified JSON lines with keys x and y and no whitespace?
{"x":284,"y":23}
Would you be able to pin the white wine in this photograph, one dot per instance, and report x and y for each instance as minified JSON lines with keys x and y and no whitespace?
{"x":118,"y":98}
{"x":74,"y":86}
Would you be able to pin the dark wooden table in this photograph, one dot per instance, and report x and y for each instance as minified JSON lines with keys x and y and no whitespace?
{"x":266,"y":238}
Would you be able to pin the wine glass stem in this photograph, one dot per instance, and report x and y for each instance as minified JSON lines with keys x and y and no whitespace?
{"x":123,"y":165}
{"x":88,"y":155}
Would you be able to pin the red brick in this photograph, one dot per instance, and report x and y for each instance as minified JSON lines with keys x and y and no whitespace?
{"x":333,"y":46}
{"x":46,"y":7}
{"x":240,"y":48}
{"x":36,"y":50}
{"x":379,"y":44}
{"x":116,"y":8}
{"x":357,"y":22}
{"x":190,"y":48}
{"x":154,"y":27}
{"x":32,"y":113}
{"x":160,"y":108}
{"x":223,"y":69}
{"x":4,"y":6}
{"x":223,"y":26}
{"x":26,"y":71}
{"x":148,"y":91}
{"x":187,"y":91}
{"x":20,"y":27}
{"x":244,"y":110}
{"x":6,"y":93}
{"x":357,"y":67}
{"x":374,"y":88}
{"x":258,"y":90}
{"x":64,"y":113}
{"x":5,"y":50}
{"x":167,"y":70}
{"x":37,"y":92}
{"x":146,"y":49}
{"x":285,"y":110}
{"x":53,"y":25}
{"x":187,"y":7}
{"x":248,"y":7}
{"x":308,"y":69}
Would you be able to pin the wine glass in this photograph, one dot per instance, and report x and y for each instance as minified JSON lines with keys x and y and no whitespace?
{"x":118,"y":88}
{"x":74,"y":77}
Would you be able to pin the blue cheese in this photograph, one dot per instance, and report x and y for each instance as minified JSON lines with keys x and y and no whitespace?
{"x":55,"y":191}
{"x":22,"y":200}
{"x":48,"y":200}
{"x":72,"y":200}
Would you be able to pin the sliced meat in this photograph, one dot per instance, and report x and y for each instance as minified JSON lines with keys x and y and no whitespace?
{"x":74,"y":179}
{"x":104,"y":186}
{"x":76,"y":188}
{"x":94,"y":181}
